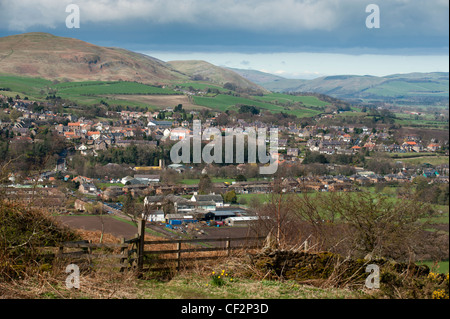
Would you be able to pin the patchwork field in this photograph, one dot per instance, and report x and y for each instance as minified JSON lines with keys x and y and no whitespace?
{"x":154,"y":101}
{"x":147,"y":96}
{"x":223,"y":102}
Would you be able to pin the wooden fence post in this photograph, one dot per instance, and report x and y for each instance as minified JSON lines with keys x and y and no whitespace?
{"x":178,"y":255}
{"x":60,"y":251}
{"x":228,"y":246}
{"x":140,"y":244}
{"x":124,"y":253}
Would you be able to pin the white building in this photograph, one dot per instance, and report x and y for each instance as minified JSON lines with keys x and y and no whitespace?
{"x":179,"y":133}
{"x":155,"y":216}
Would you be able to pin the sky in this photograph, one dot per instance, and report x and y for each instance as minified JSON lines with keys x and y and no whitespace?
{"x":290,"y":38}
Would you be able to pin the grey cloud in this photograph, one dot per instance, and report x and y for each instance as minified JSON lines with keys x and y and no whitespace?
{"x":286,"y":16}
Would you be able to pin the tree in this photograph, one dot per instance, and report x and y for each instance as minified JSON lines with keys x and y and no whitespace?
{"x":230,"y":197}
{"x":178,"y":108}
{"x":368,"y":223}
{"x":129,"y":208}
{"x":277,"y":219}
{"x":14,"y":115}
{"x":205,"y":185}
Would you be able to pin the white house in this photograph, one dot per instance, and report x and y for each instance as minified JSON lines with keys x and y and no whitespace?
{"x":179,"y":133}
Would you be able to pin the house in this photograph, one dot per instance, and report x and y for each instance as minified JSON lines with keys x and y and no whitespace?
{"x":112,"y":192}
{"x":346,"y":138}
{"x":217,"y":199}
{"x":394,"y":148}
{"x":418,"y":148}
{"x":282,"y":143}
{"x":340,"y":187}
{"x":370,"y":146}
{"x":430,"y":174}
{"x":292,"y":152}
{"x":374,"y":178}
{"x":433,"y":147}
{"x":251,"y":187}
{"x":100,"y":145}
{"x":88,"y":188}
{"x":408,"y":146}
{"x":93,"y":135}
{"x":80,"y":205}
{"x":327,"y":151}
{"x":179,"y":134}
{"x":356,"y":148}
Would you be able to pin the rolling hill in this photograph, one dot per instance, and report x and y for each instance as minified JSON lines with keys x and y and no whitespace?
{"x":425,"y":87}
{"x":204,"y":71}
{"x":56,"y":58}
{"x":43,"y":55}
{"x":41,"y":66}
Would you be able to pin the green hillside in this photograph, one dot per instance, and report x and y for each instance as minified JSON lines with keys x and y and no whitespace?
{"x":424,"y":88}
{"x":134,"y":94}
{"x":223,"y":102}
{"x":202,"y":70}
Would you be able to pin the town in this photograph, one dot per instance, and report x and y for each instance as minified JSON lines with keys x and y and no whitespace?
{"x":91,"y":160}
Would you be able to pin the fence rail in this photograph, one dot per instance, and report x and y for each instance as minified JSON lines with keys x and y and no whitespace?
{"x":134,"y":256}
{"x":116,"y":260}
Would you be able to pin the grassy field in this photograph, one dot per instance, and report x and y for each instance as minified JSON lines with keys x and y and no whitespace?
{"x":142,"y":95}
{"x":430,"y":124}
{"x":437,"y":160}
{"x":103,"y":88}
{"x":106,"y":185}
{"x":441,"y":267}
{"x":201,"y":86}
{"x":400,"y":88}
{"x":283,"y":98}
{"x":214,"y":180}
{"x":200,"y":286}
{"x":24,"y":85}
{"x":223,"y":102}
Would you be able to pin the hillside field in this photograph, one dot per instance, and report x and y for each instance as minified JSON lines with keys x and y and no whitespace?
{"x":154,"y":97}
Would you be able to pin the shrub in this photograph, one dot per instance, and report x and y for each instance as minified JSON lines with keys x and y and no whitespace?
{"x":23,"y":231}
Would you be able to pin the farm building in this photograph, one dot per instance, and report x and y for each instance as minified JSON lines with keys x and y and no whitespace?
{"x":160,"y":124}
{"x":156,"y":216}
{"x":216,"y":199}
{"x":240,"y":220}
{"x":219,"y":215}
{"x":178,"y":219}
{"x":252,"y":187}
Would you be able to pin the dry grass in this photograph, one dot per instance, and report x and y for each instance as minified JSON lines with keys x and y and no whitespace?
{"x":160,"y":101}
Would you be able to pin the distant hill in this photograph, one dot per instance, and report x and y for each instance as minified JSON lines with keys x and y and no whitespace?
{"x":56,"y":58}
{"x":416,"y":87}
{"x":204,"y":71}
{"x":258,"y":76}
